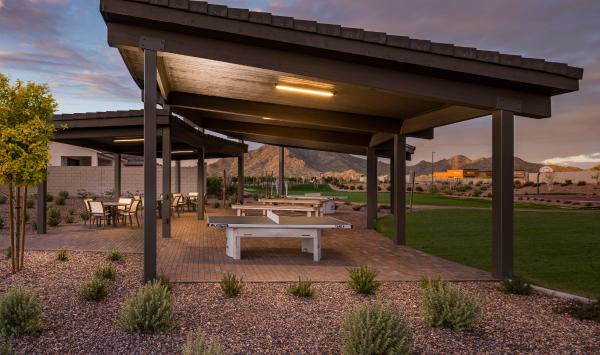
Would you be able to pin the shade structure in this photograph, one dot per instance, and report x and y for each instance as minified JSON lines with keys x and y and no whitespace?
{"x":284,"y":81}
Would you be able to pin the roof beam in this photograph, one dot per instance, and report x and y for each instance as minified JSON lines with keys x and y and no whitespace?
{"x":314,"y":117}
{"x":164,"y":84}
{"x":441,"y":117}
{"x":420,"y":85}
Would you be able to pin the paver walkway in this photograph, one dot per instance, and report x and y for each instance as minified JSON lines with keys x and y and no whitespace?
{"x":196,"y":253}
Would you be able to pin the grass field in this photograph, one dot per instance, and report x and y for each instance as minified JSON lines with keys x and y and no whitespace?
{"x":558,"y":250}
{"x":418,"y":198}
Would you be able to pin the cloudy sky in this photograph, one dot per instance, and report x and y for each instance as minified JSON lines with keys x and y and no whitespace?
{"x":63,"y":42}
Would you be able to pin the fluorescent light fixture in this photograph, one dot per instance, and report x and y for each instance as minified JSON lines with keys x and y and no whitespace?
{"x":128,"y":139}
{"x":268,"y":118}
{"x":182,"y":152}
{"x":304,"y":90}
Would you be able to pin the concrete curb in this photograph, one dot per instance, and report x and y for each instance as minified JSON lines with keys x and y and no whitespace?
{"x":562,"y":295}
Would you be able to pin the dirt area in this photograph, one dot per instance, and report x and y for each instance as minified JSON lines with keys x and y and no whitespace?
{"x":265,"y":319}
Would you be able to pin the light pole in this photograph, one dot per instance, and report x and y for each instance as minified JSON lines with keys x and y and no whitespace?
{"x":432,"y":168}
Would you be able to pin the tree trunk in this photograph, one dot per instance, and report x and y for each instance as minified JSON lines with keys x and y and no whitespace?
{"x":12,"y":226}
{"x":22,"y":237}
{"x":17,"y":252}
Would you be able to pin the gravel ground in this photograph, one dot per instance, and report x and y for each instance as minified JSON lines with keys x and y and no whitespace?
{"x":265,"y":319}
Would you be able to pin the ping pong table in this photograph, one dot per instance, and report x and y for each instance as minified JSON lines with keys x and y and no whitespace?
{"x":273,"y":225}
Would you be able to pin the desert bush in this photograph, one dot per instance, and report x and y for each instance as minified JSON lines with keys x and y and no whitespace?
{"x":3,"y":199}
{"x":149,"y":309}
{"x":375,"y":329}
{"x":231,"y":284}
{"x":196,"y":344}
{"x":301,"y":288}
{"x":357,"y":207}
{"x":1,"y":222}
{"x":516,"y":285}
{"x":54,"y":217}
{"x":362,"y":280}
{"x":106,"y":272}
{"x":93,"y":290}
{"x":165,"y":281}
{"x":114,"y":256}
{"x":433,"y":189}
{"x":34,"y":226}
{"x":8,"y":253}
{"x":581,"y":183}
{"x":360,"y":187}
{"x":29,"y":203}
{"x":84,"y":216}
{"x":20,"y":312}
{"x":59,"y":201}
{"x":352,"y":187}
{"x":49,"y":198}
{"x":447,"y":306}
{"x":584,"y":310}
{"x":216,"y":205}
{"x":63,"y":194}
{"x":419,"y":189}
{"x":69,"y":218}
{"x":62,"y":255}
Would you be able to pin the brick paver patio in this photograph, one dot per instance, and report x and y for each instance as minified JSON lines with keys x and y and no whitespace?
{"x":196,"y":253}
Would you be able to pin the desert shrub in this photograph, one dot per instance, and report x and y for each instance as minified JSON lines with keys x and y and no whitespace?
{"x":352,"y":187}
{"x":84,"y":216}
{"x":62,"y":255}
{"x":375,"y":329}
{"x":8,"y":253}
{"x":447,"y":306}
{"x":231,"y":284}
{"x":216,"y":205}
{"x":516,"y":285}
{"x":581,"y":183}
{"x":165,"y":281}
{"x":63,"y":194}
{"x":54,"y":217}
{"x":419,"y":189}
{"x":433,"y":189}
{"x":584,"y":310}
{"x":362,"y":280}
{"x":69,"y":219}
{"x":3,"y":199}
{"x":196,"y":344}
{"x":59,"y":201}
{"x":301,"y":288}
{"x":20,"y":312}
{"x":106,"y":272}
{"x":1,"y":222}
{"x":460,"y":188}
{"x":477,"y":192}
{"x":149,"y":309}
{"x":114,"y":256}
{"x":378,"y":188}
{"x":29,"y":204}
{"x":360,"y":187}
{"x":357,"y":207}
{"x":93,"y":290}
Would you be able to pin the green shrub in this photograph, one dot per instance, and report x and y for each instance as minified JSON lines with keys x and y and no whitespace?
{"x":59,"y":201}
{"x":62,"y":255}
{"x":49,"y":198}
{"x":165,"y":281}
{"x":433,"y":189}
{"x":447,"y":306}
{"x":93,"y":290}
{"x":584,"y":311}
{"x":3,"y":199}
{"x":85,"y":216}
{"x":231,"y":284}
{"x":150,"y":309}
{"x":54,"y":217}
{"x":29,"y":204}
{"x":8,"y":252}
{"x":20,"y":312}
{"x":34,"y":225}
{"x":301,"y":288}
{"x":69,"y":219}
{"x":106,"y":272}
{"x":362,"y":280}
{"x":63,"y":194}
{"x":114,"y":256}
{"x":197,"y":345}
{"x":517,"y":286}
{"x":216,"y":205}
{"x":1,"y":222}
{"x":375,"y":329}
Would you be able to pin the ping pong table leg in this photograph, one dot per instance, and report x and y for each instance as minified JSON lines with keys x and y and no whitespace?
{"x":230,"y":249}
{"x":317,"y":245}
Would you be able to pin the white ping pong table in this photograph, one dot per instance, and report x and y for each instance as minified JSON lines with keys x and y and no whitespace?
{"x":273,"y":225}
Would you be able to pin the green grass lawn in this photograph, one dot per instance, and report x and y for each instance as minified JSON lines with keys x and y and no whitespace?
{"x":558,"y":250}
{"x":418,"y":198}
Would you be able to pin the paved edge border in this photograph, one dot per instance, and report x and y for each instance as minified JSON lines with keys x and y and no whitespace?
{"x":563,"y":295}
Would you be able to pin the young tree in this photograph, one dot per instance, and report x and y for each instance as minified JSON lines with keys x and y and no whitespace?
{"x":25,"y":132}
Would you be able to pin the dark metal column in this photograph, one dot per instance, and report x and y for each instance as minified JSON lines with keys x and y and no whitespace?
{"x":371,"y":188}
{"x":281,"y":171}
{"x":399,"y":189}
{"x":178,"y":176}
{"x":200,"y":184}
{"x":391,"y":180}
{"x":240,"y":187}
{"x":41,"y":206}
{"x":502,"y":189}
{"x":166,"y":199}
{"x":117,"y":171}
{"x":150,"y":98}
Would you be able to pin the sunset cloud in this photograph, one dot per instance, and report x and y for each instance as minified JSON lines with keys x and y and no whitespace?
{"x":582,"y":158}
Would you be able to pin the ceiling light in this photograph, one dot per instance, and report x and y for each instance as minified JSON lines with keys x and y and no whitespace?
{"x":304,"y":90}
{"x":128,"y":139}
{"x":268,"y":118}
{"x":182,"y":152}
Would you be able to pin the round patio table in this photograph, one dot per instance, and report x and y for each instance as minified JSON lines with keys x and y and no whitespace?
{"x":113,"y":207}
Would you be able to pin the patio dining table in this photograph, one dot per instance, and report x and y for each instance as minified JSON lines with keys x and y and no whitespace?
{"x":113,"y":208}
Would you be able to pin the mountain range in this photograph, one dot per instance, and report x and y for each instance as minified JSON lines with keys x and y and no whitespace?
{"x":308,"y":163}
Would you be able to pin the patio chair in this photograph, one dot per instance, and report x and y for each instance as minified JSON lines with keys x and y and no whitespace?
{"x":181,"y":203}
{"x":86,"y":202}
{"x":132,"y":211}
{"x":124,"y":200}
{"x":193,"y":200}
{"x":175,"y":204}
{"x":98,"y":213}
